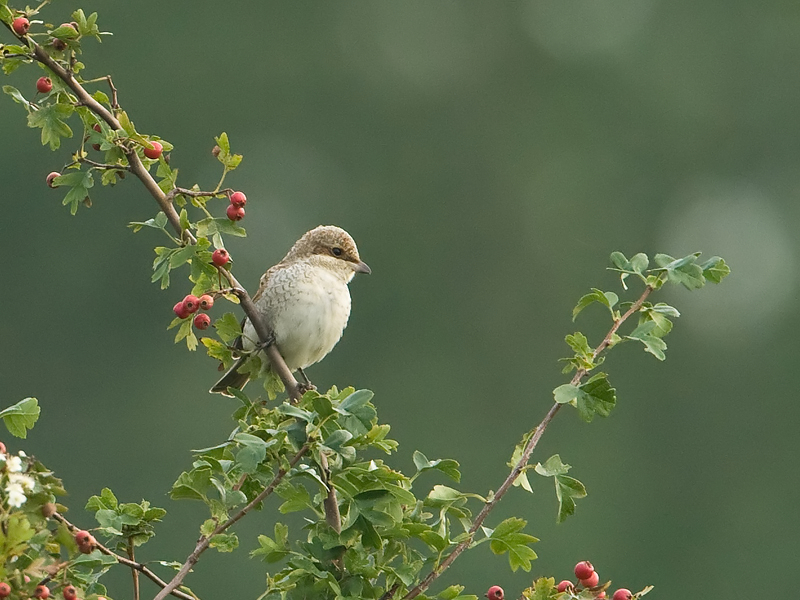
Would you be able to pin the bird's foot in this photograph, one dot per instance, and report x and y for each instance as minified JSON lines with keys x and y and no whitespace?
{"x":306,"y":386}
{"x":264,"y":345}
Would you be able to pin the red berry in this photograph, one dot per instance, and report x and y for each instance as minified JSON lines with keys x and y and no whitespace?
{"x":601,"y":595}
{"x":42,"y":592}
{"x":70,"y":593}
{"x":584,"y":569}
{"x":206,"y":302}
{"x":220,"y":257}
{"x":192,"y":303}
{"x":5,"y":590}
{"x":592,"y":581}
{"x":88,"y":546}
{"x":59,"y":44}
{"x":622,"y":594}
{"x":238,"y":199}
{"x":44,"y":85}
{"x":153,"y":152}
{"x":202,"y":321}
{"x":20,"y":25}
{"x":181,"y":310}
{"x":565,"y":585}
{"x":82,"y":537}
{"x":235,"y":213}
{"x":2,"y":447}
{"x":51,"y":177}
{"x":73,"y":25}
{"x":495,"y":593}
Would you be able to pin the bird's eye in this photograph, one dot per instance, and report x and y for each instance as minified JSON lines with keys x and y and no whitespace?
{"x":336,"y":251}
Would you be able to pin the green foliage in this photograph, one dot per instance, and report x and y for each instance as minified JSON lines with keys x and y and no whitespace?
{"x":388,"y":534}
{"x":124,"y":524}
{"x":21,"y":417}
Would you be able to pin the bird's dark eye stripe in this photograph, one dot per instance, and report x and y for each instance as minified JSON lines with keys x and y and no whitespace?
{"x":336,"y":251}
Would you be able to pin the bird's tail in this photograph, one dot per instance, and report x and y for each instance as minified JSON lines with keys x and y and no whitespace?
{"x":232,"y":379}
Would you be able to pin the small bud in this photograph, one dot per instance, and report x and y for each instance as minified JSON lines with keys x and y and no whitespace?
{"x":216,"y":150}
{"x":48,"y":510}
{"x":59,"y":45}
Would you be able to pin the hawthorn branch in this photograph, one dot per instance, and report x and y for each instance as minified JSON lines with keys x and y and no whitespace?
{"x":524,"y":459}
{"x":140,"y":171}
{"x":205,"y":541}
{"x":135,"y":566}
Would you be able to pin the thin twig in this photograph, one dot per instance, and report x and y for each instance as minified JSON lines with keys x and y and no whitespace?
{"x":523,"y":461}
{"x":134,"y":572}
{"x":139,"y":567}
{"x":98,"y":165}
{"x":205,"y":541}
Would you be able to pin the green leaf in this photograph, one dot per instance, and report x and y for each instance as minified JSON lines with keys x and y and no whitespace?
{"x":607,"y":299}
{"x":507,"y":537}
{"x":647,"y":334}
{"x":715,"y":269}
{"x":228,"y":328}
{"x":567,"y":489}
{"x":106,"y":500}
{"x":595,"y":397}
{"x":447,"y":466}
{"x":79,"y":182}
{"x":272,"y":550}
{"x":21,"y":417}
{"x":15,"y":94}
{"x":684,"y":270}
{"x":229,"y":161}
{"x":50,"y":119}
{"x":224,"y":542}
{"x":210,"y":226}
{"x":544,"y":588}
{"x":552,"y":467}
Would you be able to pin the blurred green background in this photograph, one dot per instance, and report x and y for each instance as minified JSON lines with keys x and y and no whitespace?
{"x":487,"y":158}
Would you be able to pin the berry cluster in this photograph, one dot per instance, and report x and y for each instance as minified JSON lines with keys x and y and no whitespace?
{"x":190,"y":305}
{"x":235,"y":211}
{"x":588,"y":578}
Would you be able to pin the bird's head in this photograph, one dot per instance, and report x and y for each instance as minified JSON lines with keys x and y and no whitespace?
{"x":330,"y":246}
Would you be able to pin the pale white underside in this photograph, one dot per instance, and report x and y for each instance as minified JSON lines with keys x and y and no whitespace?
{"x":307,"y":305}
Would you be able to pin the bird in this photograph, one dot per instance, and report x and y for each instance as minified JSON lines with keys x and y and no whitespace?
{"x":305,"y":302}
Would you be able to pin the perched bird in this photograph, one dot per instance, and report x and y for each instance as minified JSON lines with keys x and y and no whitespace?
{"x":304,"y":300}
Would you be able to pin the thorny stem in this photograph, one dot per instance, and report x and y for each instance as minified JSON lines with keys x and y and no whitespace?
{"x":135,"y":566}
{"x":523,"y":461}
{"x":204,"y":542}
{"x":140,"y":171}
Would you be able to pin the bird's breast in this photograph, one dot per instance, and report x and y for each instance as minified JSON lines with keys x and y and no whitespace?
{"x":307,"y":307}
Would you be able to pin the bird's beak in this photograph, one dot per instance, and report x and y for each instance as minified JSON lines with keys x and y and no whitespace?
{"x":362,"y":267}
